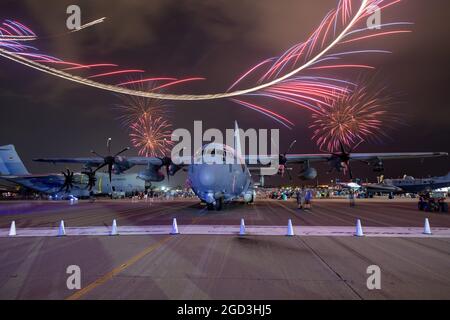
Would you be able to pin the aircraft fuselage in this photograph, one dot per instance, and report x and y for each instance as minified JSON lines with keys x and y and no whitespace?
{"x":220,"y":181}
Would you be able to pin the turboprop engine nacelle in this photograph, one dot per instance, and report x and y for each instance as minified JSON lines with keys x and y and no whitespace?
{"x":121,"y":165}
{"x":308,"y":174}
{"x":151,"y":174}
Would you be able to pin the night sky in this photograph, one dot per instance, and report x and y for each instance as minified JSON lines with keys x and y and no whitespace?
{"x":44,"y":116}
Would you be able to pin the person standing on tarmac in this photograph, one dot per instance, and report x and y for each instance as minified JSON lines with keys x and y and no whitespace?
{"x":308,"y":199}
{"x":299,"y":197}
{"x":351,"y":197}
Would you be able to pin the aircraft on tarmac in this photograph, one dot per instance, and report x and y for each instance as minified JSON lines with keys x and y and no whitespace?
{"x":13,"y":173}
{"x":214,"y":183}
{"x":400,"y":186}
{"x":410,"y":185}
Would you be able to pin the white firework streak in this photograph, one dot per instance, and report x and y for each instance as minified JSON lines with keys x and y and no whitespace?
{"x":163,"y":96}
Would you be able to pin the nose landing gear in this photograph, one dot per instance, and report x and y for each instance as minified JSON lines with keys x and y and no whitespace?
{"x":217,"y":205}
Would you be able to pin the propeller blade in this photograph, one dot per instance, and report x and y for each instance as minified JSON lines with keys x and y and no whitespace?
{"x":101,"y":166}
{"x":166,"y":161}
{"x":342,"y":147}
{"x":108,"y":146}
{"x":356,"y":146}
{"x":350,"y":173}
{"x":110,"y":171}
{"x":122,"y":151}
{"x":283,"y":161}
{"x":91,"y":179}
{"x":92,"y":184}
{"x":109,"y":160}
{"x":68,"y":181}
{"x":98,"y":155}
{"x":290,"y":147}
{"x":289,"y":175}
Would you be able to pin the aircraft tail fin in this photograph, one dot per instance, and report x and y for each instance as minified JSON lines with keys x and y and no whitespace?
{"x":10,"y":162}
{"x":3,"y":170}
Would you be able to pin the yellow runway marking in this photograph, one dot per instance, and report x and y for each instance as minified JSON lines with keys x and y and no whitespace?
{"x":108,"y":276}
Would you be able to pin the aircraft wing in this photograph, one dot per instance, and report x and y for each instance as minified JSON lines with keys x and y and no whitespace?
{"x":393,"y":156}
{"x":291,"y":158}
{"x":382,"y":187}
{"x":39,"y":182}
{"x":145,"y":161}
{"x":301,"y":158}
{"x":96,"y":161}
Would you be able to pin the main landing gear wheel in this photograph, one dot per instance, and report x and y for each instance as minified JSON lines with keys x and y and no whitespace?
{"x":219,"y":204}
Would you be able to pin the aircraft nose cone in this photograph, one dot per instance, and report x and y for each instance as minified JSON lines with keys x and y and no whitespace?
{"x":206,"y":176}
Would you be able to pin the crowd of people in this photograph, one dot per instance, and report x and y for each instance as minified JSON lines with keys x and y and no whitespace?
{"x":303,"y":196}
{"x":431,"y":204}
{"x":164,"y":195}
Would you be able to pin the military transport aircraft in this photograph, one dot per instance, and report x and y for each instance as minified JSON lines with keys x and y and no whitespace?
{"x":409,"y":185}
{"x":219,"y":183}
{"x":13,"y":173}
{"x":401,"y":186}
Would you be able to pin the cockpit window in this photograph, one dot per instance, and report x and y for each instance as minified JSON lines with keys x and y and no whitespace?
{"x":216,"y":153}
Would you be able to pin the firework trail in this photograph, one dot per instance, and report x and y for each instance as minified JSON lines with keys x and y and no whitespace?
{"x":151,"y":135}
{"x":362,"y":115}
{"x":89,"y":24}
{"x":11,"y":30}
{"x":278,"y":77}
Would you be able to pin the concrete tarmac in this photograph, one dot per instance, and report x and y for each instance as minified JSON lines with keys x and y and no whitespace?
{"x":222,"y":266}
{"x":333,"y":212}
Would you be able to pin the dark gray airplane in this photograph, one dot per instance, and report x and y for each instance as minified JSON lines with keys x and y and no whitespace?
{"x":410,"y":185}
{"x":400,"y":186}
{"x":13,"y":173}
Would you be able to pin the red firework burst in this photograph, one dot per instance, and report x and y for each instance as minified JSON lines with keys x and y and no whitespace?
{"x":151,"y":135}
{"x":362,"y":115}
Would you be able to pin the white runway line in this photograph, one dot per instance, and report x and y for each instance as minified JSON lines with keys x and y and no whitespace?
{"x":387,"y":232}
